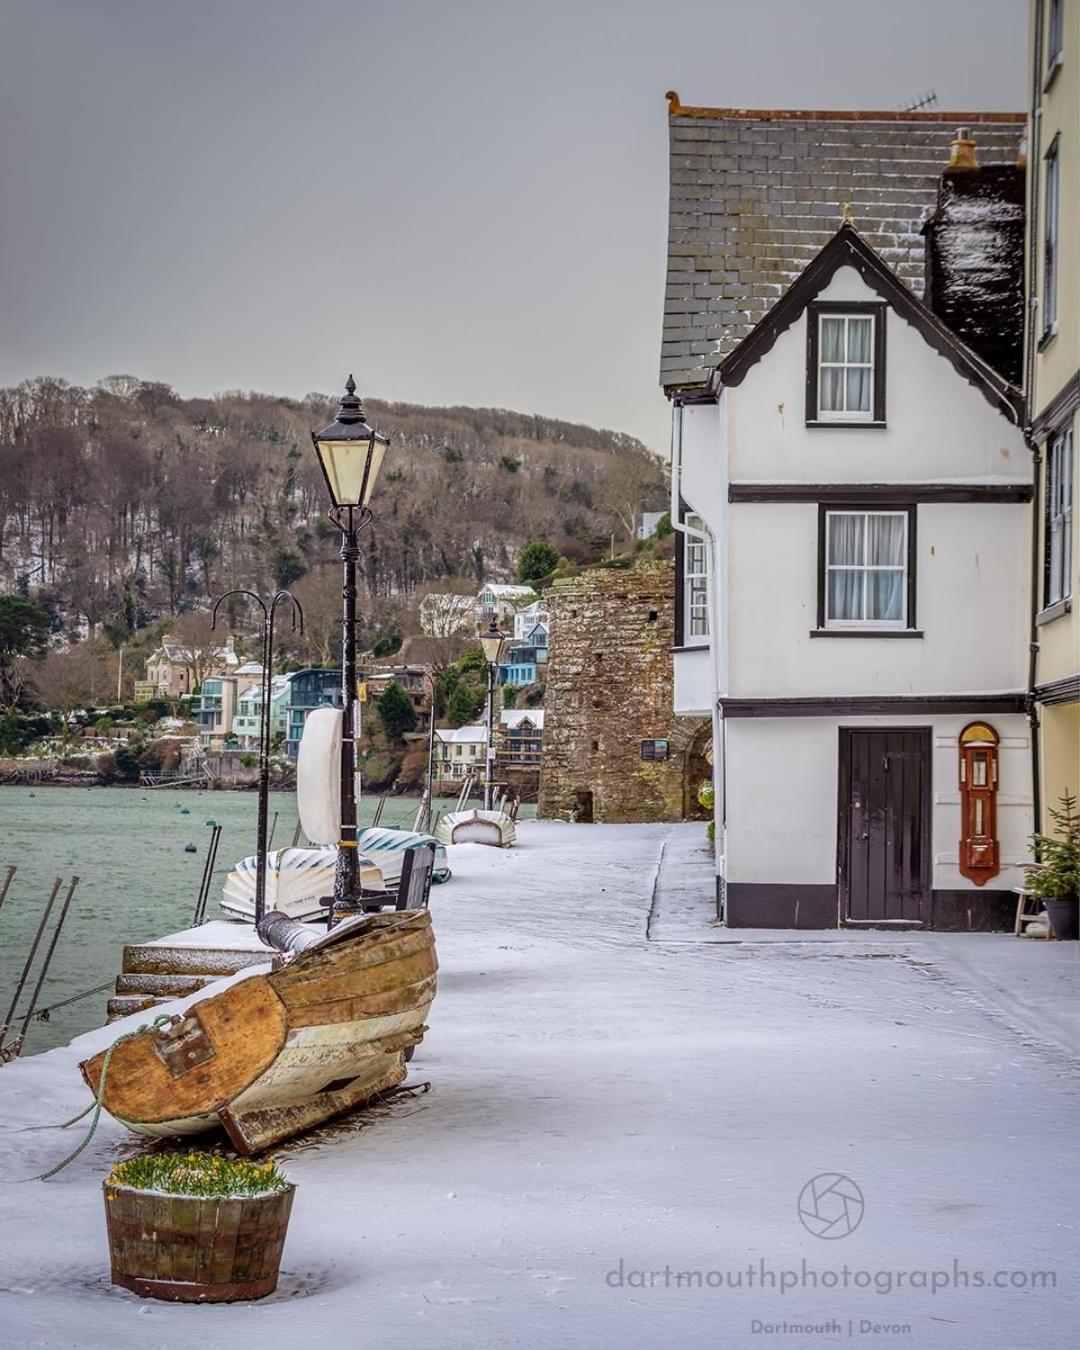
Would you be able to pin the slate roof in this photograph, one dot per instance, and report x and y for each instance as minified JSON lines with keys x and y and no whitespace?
{"x":756,"y":194}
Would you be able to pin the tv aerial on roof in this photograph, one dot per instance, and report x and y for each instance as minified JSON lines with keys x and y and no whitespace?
{"x":918,"y":104}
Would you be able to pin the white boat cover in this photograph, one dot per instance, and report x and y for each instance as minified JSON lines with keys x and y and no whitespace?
{"x":318,"y":776}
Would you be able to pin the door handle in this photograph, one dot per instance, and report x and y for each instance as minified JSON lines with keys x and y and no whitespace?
{"x":864,"y":836}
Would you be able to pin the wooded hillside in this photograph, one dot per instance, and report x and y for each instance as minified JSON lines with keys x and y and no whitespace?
{"x":123,"y":504}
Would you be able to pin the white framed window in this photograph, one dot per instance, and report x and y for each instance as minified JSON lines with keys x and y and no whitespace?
{"x":867,"y":557}
{"x":845,"y":367}
{"x":1059,"y":517}
{"x":695,"y":584}
{"x":1050,"y":240}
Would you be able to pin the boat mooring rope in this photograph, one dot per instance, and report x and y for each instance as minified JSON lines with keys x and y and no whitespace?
{"x":160,"y":1021}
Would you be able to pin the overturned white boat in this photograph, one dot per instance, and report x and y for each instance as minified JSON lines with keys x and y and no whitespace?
{"x":385,"y":849}
{"x":476,"y":827}
{"x":297,"y":879}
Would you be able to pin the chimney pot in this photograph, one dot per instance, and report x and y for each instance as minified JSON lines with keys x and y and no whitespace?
{"x":962,"y":151}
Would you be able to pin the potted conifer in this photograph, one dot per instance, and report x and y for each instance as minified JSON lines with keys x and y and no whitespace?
{"x":1055,"y":878}
{"x":196,"y":1227}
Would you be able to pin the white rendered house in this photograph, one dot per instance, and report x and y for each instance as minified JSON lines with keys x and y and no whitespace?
{"x":853,"y":609}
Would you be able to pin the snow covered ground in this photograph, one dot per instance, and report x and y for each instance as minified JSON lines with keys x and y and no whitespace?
{"x":619,"y":1130}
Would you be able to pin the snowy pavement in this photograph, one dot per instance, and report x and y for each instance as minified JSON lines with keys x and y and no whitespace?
{"x":618,"y":1133}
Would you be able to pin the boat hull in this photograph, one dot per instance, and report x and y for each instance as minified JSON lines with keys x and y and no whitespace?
{"x":274,"y":1054}
{"x":297,"y":879}
{"x":494,"y":828}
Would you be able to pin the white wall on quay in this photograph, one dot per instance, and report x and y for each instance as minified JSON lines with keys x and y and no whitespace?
{"x":938,"y":425}
{"x":972,"y":573}
{"x":782,"y":793}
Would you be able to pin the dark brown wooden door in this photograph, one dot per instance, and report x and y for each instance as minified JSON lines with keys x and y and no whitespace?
{"x":884,"y":824}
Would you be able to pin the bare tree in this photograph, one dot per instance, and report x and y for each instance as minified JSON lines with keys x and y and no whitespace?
{"x":69,"y":679}
{"x":203,"y":648}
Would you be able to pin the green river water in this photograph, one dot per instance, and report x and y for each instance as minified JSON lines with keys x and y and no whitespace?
{"x":137,"y":883}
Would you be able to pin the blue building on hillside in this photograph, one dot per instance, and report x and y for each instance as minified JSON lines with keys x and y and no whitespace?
{"x":525,"y":662}
{"x":308,"y":689}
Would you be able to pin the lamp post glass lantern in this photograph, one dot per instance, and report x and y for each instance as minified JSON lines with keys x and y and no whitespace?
{"x":350,"y":455}
{"x":491,"y":642}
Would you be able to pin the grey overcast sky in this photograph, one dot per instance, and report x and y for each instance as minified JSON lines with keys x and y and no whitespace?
{"x":464,"y":202}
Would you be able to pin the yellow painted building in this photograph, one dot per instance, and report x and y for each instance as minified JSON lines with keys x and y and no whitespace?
{"x":1052,"y":342}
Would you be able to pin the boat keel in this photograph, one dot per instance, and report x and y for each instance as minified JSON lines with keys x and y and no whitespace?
{"x":257,"y":1129}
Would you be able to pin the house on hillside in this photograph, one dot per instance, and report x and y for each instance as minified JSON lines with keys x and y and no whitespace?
{"x":519,"y":746}
{"x":175,"y":669}
{"x":852,"y":492}
{"x":1053,"y":348}
{"x":647,"y":524}
{"x":314,"y":687}
{"x":501,"y":602}
{"x":214,"y":707}
{"x":526,"y":618}
{"x":247,"y":719}
{"x":525,"y":662}
{"x":459,"y":752}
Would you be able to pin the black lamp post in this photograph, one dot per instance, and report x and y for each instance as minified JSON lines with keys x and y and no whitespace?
{"x":492,"y":643}
{"x":350,"y":456}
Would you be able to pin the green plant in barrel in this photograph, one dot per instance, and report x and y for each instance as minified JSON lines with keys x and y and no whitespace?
{"x":197,"y":1227}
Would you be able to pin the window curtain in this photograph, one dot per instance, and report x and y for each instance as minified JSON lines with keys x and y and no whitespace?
{"x":831,"y":395}
{"x":847,"y":580}
{"x":859,"y":356}
{"x":885,"y":551}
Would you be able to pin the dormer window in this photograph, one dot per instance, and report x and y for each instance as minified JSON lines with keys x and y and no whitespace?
{"x":845,"y":375}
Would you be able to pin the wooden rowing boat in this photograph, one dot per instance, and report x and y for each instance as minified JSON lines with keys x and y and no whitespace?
{"x":274,"y":1054}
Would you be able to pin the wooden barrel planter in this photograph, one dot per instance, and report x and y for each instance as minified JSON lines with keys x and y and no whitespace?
{"x":196,"y":1248}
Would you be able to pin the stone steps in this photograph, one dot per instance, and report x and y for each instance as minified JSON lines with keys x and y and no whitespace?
{"x":154,"y":973}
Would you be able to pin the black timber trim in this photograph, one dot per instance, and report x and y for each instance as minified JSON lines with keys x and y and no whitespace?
{"x":753,"y":904}
{"x":866,"y":494}
{"x":910,"y":628}
{"x":872,"y":705}
{"x":764,"y":904}
{"x":847,"y":248}
{"x":1065,"y":690}
{"x":964,"y":910}
{"x":1060,"y":408}
{"x":877,"y":310}
{"x":867,"y":633}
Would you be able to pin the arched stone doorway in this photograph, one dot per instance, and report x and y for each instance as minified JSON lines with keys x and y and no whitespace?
{"x":691,"y":739}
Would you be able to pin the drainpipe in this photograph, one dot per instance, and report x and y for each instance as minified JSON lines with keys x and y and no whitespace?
{"x":1034,"y":145}
{"x":706,"y":536}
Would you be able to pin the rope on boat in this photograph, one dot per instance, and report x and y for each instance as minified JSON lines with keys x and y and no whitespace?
{"x":163,"y":1019}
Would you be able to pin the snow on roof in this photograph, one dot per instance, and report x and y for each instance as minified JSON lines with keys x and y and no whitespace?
{"x":512,"y":717}
{"x":185,"y":656}
{"x":505,"y":592}
{"x":462,"y":735}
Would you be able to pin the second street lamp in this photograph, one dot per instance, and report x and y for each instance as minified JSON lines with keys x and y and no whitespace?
{"x":492,"y":643}
{"x":350,"y":456}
